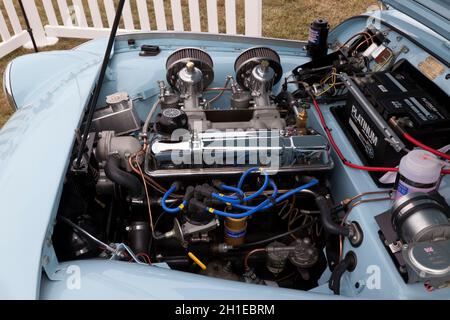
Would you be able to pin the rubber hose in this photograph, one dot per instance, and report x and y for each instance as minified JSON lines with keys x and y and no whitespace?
{"x":347,"y":264}
{"x":122,"y":178}
{"x":327,"y":222}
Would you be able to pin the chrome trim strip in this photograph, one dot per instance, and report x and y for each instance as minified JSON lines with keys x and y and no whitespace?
{"x":7,"y":87}
{"x":227,"y":171}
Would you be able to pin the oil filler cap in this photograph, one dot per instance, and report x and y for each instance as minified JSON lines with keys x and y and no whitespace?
{"x":170,"y":120}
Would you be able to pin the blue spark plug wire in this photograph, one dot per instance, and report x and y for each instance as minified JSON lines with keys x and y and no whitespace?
{"x":237,"y":200}
{"x":166,"y":196}
{"x":232,"y":189}
{"x":266,"y":204}
{"x":273,"y":196}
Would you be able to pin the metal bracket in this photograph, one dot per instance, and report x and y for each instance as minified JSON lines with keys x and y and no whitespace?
{"x":388,"y":133}
{"x":189,"y":228}
{"x":395,"y":246}
{"x":118,"y":254}
{"x":50,"y":262}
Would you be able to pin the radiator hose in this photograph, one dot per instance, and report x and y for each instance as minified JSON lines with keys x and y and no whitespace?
{"x":327,"y":222}
{"x":347,"y":264}
{"x":121,"y":177}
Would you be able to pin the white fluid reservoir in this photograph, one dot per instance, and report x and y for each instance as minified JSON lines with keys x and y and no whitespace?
{"x":419,"y":171}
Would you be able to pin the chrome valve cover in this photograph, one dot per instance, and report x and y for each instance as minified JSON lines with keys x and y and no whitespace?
{"x":231,"y":152}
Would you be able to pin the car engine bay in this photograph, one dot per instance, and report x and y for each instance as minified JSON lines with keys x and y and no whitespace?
{"x":233,"y":182}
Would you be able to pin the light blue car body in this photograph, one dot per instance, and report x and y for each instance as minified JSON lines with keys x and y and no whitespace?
{"x":51,"y":91}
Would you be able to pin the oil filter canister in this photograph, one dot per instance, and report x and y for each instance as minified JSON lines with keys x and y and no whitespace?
{"x":235,"y":230}
{"x":419,"y":171}
{"x":317,"y":46}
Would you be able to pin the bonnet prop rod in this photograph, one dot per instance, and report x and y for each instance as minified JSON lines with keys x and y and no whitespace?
{"x":27,"y":23}
{"x":98,"y":86}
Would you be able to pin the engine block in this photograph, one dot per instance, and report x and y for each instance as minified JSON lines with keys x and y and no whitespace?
{"x":190,"y":137}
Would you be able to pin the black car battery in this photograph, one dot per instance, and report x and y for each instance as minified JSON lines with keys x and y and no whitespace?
{"x":396,"y":94}
{"x":388,"y":84}
{"x":420,"y":108}
{"x":404,"y":93}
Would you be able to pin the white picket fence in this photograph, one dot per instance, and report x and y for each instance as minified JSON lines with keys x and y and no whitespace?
{"x":83,"y":19}
{"x":14,"y":40}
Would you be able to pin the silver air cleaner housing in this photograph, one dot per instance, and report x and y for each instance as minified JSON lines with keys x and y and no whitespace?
{"x":253,"y":57}
{"x":418,"y":217}
{"x":201,"y":61}
{"x":190,"y":72}
{"x":423,"y":226}
{"x":258,"y":70}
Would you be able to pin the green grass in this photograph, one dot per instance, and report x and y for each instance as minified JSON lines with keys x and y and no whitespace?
{"x":288,"y":19}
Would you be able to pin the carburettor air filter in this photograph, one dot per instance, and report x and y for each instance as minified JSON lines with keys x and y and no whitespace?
{"x":252,"y":57}
{"x":178,"y":59}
